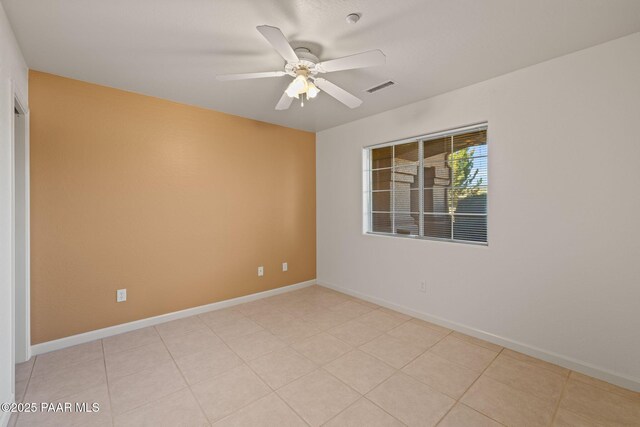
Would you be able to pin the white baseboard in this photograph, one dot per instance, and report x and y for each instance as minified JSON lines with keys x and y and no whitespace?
{"x":551,"y":357}
{"x":6,"y":416}
{"x":61,"y":343}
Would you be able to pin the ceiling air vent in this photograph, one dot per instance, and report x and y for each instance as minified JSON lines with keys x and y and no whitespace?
{"x":380,"y":86}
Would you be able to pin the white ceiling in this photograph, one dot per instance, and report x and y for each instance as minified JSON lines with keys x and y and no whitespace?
{"x":173,"y":49}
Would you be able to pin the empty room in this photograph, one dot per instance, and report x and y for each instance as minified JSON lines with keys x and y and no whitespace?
{"x":320,"y":213}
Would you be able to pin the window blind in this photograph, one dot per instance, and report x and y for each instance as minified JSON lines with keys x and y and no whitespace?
{"x":432,"y":187}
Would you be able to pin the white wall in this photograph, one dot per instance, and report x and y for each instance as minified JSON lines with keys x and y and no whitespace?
{"x":560,"y":278}
{"x":13,"y":81}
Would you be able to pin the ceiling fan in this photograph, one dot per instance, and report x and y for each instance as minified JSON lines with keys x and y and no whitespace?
{"x":305,"y":67}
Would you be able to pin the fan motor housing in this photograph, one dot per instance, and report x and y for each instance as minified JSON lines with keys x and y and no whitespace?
{"x":307,"y":60}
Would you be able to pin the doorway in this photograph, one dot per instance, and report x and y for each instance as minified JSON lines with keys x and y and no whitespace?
{"x":22,"y":335}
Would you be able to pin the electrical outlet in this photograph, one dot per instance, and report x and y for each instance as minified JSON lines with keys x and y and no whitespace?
{"x":285,"y":266}
{"x":423,"y":287}
{"x":121,"y":295}
{"x":261,"y":271}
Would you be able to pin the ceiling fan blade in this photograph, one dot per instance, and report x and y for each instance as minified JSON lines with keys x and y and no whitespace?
{"x":279,"y":42}
{"x":359,"y":60}
{"x":284,"y":103}
{"x":245,"y":76}
{"x":338,"y":93}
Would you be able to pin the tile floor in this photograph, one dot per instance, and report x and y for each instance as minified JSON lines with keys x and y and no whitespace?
{"x":312,"y":357}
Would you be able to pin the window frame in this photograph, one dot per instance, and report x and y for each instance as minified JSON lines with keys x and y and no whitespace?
{"x":367,"y":173}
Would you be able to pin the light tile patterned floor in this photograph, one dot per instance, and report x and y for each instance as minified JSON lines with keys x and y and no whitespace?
{"x":312,"y":357}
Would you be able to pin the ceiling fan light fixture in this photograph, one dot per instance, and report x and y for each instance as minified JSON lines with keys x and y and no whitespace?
{"x":291,"y":92}
{"x":298,"y":86}
{"x":312,"y":91}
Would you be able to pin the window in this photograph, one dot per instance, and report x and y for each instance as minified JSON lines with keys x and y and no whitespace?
{"x":432,"y":187}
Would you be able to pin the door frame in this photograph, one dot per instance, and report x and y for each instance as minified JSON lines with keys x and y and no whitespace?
{"x":20,"y":238}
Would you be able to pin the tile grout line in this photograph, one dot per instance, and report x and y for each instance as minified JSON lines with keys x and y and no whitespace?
{"x":471,"y":409}
{"x":106,"y":378}
{"x":599,"y":387}
{"x":431,"y":387}
{"x":275,"y":391}
{"x":453,"y":363}
{"x":566,"y":380}
{"x":143,"y":370}
{"x":134,"y":347}
{"x":321,"y":367}
{"x":71,"y":365}
{"x":466,"y":367}
{"x":362,"y":396}
{"x":396,"y":370}
{"x":59,"y":398}
{"x":246,"y":363}
{"x":401,"y":339}
{"x":538,"y":366}
{"x":145,"y":403}
{"x":583,"y":416}
{"x":380,"y":407}
{"x":326,"y":330}
{"x":132,"y":350}
{"x":557,"y":405}
{"x":459,"y":400}
{"x":424,"y":352}
{"x":318,"y":366}
{"x":188,"y":386}
{"x":26,"y":389}
{"x":557,"y":408}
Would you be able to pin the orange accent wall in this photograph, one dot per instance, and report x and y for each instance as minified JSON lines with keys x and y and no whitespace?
{"x":178,"y":204}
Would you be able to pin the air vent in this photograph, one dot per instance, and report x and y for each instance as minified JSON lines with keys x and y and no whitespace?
{"x":380,"y":86}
